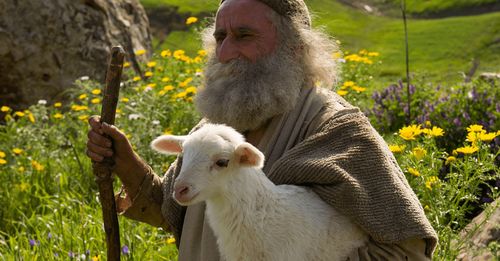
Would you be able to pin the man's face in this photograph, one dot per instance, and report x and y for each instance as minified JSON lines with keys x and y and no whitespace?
{"x":249,"y":78}
{"x":243,"y":30}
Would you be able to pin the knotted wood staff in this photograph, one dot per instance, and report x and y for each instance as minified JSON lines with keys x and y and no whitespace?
{"x":102,"y":170}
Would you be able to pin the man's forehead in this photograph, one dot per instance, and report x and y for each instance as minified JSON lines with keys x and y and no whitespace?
{"x":243,"y":12}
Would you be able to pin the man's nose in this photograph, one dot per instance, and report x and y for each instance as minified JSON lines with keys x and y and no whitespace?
{"x":227,"y":51}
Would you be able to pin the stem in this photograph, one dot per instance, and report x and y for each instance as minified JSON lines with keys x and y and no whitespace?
{"x":403,"y":10}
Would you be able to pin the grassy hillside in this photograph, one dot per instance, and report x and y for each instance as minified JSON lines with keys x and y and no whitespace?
{"x":442,"y":48}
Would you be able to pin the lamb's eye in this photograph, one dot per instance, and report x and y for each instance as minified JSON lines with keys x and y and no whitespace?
{"x":222,"y":163}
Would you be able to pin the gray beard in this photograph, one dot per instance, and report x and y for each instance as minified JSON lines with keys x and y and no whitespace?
{"x":245,"y":95}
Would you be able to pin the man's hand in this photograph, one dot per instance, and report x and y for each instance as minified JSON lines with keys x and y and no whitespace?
{"x":128,"y":166}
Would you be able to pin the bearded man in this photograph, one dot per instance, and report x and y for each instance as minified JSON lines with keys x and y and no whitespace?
{"x":264,"y":64}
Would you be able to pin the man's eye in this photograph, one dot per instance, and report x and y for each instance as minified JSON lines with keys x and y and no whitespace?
{"x":222,"y":163}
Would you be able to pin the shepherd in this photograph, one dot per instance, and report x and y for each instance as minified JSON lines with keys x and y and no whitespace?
{"x":264,"y":77}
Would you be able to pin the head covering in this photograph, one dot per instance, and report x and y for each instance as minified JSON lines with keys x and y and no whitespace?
{"x":289,"y":9}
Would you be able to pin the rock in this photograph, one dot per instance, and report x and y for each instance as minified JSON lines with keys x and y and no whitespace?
{"x":480,"y":233}
{"x":46,"y":44}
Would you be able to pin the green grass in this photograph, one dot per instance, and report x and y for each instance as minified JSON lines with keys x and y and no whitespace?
{"x":419,"y":6}
{"x":442,"y":48}
{"x":192,"y":6}
{"x":48,"y":196}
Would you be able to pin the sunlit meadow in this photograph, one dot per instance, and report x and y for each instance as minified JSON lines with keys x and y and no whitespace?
{"x":49,"y":207}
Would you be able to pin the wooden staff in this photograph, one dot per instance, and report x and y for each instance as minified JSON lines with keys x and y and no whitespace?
{"x":102,"y":170}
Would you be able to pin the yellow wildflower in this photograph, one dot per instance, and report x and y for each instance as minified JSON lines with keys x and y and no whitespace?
{"x":19,"y":113}
{"x":151,"y":64}
{"x":125,"y":100}
{"x":95,"y":100}
{"x":140,"y":52}
{"x":96,"y":258}
{"x":83,"y":96}
{"x":358,"y":89}
{"x":410,"y":132}
{"x":36,"y":165}
{"x":434,"y":132}
{"x":151,"y":85}
{"x":165,"y":79}
{"x":31,"y":117}
{"x":472,"y":137}
{"x":166,"y":53}
{"x":20,"y":169}
{"x":374,"y":54}
{"x":58,"y":116}
{"x":475,"y":128}
{"x":185,"y":82}
{"x":336,"y":55}
{"x":418,"y":153}
{"x":136,"y":79}
{"x":168,"y":131}
{"x":57,"y":104}
{"x":17,"y":151}
{"x":96,"y":91}
{"x":449,"y":160}
{"x":5,"y":109}
{"x":397,"y":148}
{"x":2,"y":154}
{"x":342,"y":92}
{"x":431,"y":181}
{"x":79,"y":107}
{"x":178,"y":54}
{"x":3,"y":162}
{"x":23,"y":186}
{"x":170,"y":240}
{"x":191,"y":89}
{"x":467,"y":149}
{"x":348,"y":84}
{"x":181,"y":95}
{"x":487,"y":137}
{"x":126,"y":65}
{"x":202,"y":53}
{"x":83,"y":117}
{"x":191,"y":20}
{"x":168,"y":88}
{"x":148,"y":74}
{"x":414,"y":172}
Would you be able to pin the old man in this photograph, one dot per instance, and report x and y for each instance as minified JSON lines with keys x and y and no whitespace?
{"x":265,"y":63}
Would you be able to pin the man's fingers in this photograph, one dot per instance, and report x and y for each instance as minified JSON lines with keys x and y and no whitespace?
{"x":98,"y":139}
{"x":95,"y":124}
{"x":113,"y":132}
{"x":102,"y":151}
{"x":94,"y":156}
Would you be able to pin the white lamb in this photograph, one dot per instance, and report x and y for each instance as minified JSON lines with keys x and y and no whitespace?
{"x":252,"y":218}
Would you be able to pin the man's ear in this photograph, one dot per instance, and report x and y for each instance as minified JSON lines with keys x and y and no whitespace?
{"x":249,"y":156}
{"x":168,"y":144}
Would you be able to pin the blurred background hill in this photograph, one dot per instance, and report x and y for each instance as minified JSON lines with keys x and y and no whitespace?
{"x":445,"y":37}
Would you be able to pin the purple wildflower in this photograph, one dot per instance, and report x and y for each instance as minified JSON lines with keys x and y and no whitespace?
{"x":125,"y":250}
{"x":32,"y":242}
{"x":466,"y":116}
{"x":49,"y":236}
{"x":457,"y":122}
{"x":71,"y":254}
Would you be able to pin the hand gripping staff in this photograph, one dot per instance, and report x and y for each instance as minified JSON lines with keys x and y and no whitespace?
{"x":102,"y":170}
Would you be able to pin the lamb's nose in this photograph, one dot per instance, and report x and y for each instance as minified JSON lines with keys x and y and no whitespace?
{"x":181,"y":190}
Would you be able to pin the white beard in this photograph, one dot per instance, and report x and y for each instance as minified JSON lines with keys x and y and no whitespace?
{"x":245,"y":95}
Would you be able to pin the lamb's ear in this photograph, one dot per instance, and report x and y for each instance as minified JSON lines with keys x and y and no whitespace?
{"x":249,"y":155}
{"x":168,"y":144}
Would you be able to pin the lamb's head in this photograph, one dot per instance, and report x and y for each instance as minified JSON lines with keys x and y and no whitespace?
{"x":210,"y":155}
